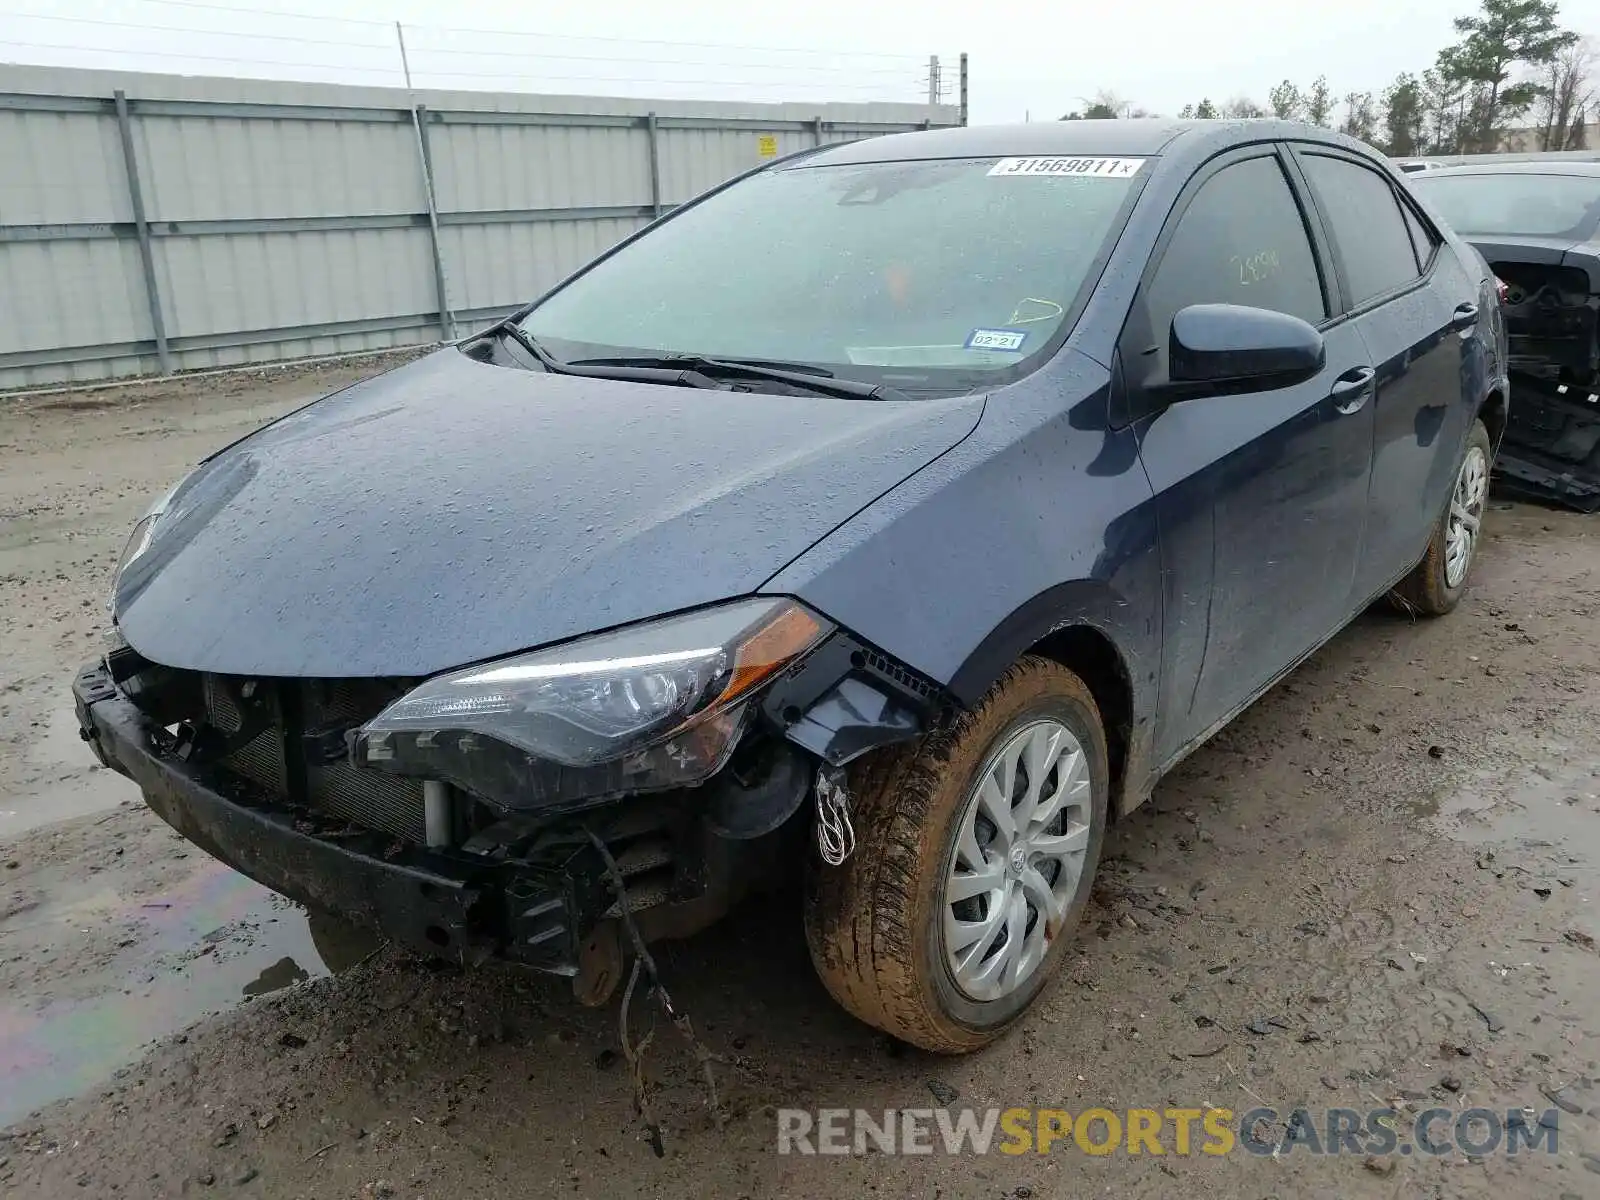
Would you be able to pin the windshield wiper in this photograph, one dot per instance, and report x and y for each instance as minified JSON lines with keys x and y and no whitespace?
{"x":626,"y":372}
{"x":803,"y":375}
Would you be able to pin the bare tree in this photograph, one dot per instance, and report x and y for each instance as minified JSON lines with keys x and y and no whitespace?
{"x":1443,"y":111}
{"x":1242,"y":107}
{"x":1106,"y":105}
{"x":1566,"y":97}
{"x":1361,"y":117}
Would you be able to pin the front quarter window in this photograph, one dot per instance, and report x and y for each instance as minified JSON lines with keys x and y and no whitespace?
{"x":934,"y":276}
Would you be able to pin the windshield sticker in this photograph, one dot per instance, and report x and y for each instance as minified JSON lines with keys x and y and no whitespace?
{"x":1086,"y":168}
{"x":996,"y":339}
{"x":1050,"y":308}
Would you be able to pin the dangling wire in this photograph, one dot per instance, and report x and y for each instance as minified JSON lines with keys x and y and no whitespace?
{"x":836,"y":836}
{"x":643,"y":961}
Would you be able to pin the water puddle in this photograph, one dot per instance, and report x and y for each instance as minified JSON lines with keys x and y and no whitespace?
{"x":1544,"y":822}
{"x":71,"y":783}
{"x":214,"y":941}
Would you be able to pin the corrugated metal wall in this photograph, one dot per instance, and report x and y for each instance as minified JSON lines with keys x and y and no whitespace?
{"x":284,"y":219}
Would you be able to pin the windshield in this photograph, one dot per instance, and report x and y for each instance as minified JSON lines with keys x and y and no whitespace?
{"x":932,"y":277}
{"x":1525,"y":203}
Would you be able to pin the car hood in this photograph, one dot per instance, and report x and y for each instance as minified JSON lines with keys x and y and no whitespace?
{"x":451,"y":511}
{"x":1507,"y":247}
{"x":1543,"y":251}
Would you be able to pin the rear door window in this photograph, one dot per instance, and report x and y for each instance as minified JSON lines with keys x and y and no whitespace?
{"x":1373,"y":242}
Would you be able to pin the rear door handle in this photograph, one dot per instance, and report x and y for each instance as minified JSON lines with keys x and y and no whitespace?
{"x":1350,"y":390}
{"x":1464,"y":317}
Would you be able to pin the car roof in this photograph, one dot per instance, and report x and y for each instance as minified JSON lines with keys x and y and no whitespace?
{"x":1525,"y":167}
{"x":1134,"y":137}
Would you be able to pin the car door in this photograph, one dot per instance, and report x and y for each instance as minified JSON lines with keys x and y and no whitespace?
{"x":1410,"y":299}
{"x":1260,"y":497}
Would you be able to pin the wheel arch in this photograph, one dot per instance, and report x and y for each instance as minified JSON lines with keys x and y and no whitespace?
{"x":1493,"y":413}
{"x":1094,"y":658}
{"x":1088,"y":629}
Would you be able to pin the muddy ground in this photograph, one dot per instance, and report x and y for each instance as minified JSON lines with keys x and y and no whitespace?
{"x":1378,"y":887}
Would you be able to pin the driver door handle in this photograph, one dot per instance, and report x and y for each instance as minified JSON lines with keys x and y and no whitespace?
{"x":1350,"y":390}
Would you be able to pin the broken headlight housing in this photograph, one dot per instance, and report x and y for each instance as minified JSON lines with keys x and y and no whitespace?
{"x":644,"y":708}
{"x":139,"y":538}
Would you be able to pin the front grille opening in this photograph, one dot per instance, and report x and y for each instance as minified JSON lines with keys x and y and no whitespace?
{"x":274,"y":759}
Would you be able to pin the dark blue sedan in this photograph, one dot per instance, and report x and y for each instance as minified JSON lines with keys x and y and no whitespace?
{"x":891,"y":517}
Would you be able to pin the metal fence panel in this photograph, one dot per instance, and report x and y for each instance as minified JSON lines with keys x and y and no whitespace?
{"x":501,"y":266}
{"x":287,"y":219}
{"x":199,"y":168}
{"x":280,"y":280}
{"x":61,"y":167}
{"x":498,"y":167}
{"x":70,"y":292}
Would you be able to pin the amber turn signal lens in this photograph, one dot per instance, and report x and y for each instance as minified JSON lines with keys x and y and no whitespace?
{"x":789,"y":634}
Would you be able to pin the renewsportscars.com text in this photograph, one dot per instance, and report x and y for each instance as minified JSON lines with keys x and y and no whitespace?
{"x":1177,"y":1131}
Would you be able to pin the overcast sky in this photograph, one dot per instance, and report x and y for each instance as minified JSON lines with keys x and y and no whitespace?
{"x":1028,"y":57}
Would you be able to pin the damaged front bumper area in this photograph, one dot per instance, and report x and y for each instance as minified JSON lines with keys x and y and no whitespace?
{"x":1551,"y":448}
{"x":262,"y":775}
{"x":1550,"y":451}
{"x":1552,"y":321}
{"x":536,"y":892}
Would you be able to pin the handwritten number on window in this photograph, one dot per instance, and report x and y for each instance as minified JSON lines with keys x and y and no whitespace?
{"x":1255,"y":268}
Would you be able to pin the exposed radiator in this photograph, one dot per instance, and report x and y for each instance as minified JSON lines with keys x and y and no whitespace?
{"x":387,"y":803}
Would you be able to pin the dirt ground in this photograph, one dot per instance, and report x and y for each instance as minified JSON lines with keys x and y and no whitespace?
{"x":1378,"y":887}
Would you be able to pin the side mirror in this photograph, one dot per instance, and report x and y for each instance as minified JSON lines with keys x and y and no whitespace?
{"x":1232,"y":346}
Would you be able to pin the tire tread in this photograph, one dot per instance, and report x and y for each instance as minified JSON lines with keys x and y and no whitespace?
{"x":864,"y":919}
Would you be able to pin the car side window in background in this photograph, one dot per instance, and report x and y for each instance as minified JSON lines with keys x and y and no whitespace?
{"x":1242,"y":240}
{"x":1364,"y":213}
{"x":1421,"y":237}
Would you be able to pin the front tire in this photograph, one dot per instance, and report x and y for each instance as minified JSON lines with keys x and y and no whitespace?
{"x":1437,"y":583}
{"x":977,"y":849}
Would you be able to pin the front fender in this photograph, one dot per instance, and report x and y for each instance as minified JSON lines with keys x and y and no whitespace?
{"x":1041,"y":519}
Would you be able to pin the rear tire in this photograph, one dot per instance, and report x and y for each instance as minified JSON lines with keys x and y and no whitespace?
{"x":892,"y":930}
{"x":1437,"y":583}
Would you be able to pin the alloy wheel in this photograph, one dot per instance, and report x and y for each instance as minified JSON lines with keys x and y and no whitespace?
{"x":1466,"y":516}
{"x":1017,"y":861}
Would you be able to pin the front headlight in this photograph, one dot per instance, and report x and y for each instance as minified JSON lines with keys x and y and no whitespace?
{"x":651,"y":706}
{"x":144,"y":529}
{"x":138,"y":542}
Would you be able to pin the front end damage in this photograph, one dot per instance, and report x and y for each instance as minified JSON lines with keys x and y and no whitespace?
{"x":1551,"y":320}
{"x":1551,"y":448}
{"x":287,"y":781}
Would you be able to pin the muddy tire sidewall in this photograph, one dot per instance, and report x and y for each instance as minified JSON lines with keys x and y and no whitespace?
{"x":874,"y":924}
{"x":1426,"y":590}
